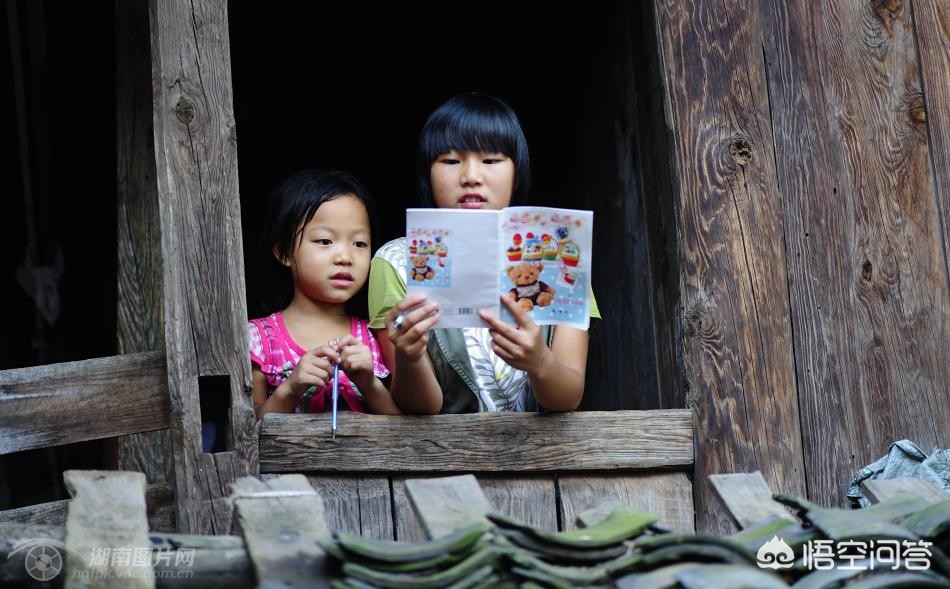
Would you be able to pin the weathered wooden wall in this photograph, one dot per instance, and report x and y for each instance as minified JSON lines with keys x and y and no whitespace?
{"x":812,"y":233}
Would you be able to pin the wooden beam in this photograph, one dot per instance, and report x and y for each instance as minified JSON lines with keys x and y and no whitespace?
{"x":140,"y":321}
{"x":867,"y":265}
{"x":498,"y":442}
{"x":737,"y":331}
{"x":64,"y":403}
{"x":202,"y":260}
{"x":159,"y":507}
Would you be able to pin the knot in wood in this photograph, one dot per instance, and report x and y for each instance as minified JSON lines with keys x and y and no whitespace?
{"x":888,"y":11}
{"x":185,"y":110}
{"x":867,"y":270}
{"x":917,"y":110}
{"x":740,"y":151}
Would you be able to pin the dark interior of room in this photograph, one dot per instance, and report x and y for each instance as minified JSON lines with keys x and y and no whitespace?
{"x":342,"y":85}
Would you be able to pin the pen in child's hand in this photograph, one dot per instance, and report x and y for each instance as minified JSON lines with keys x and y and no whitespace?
{"x":335,"y":396}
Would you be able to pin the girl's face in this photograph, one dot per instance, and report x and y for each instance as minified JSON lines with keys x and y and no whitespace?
{"x":472,"y":180}
{"x":331,"y":258}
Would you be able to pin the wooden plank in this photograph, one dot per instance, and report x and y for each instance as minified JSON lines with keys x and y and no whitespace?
{"x":883,"y":489}
{"x":866,"y":261}
{"x":159,"y":507}
{"x":932,"y":27}
{"x":748,"y":498}
{"x":64,"y":403}
{"x":446,"y":504}
{"x":737,"y":333}
{"x":181,"y":561}
{"x":408,"y":525}
{"x":202,"y":260}
{"x":140,"y":321}
{"x":532,"y":500}
{"x":669,"y":495}
{"x":282,"y":520}
{"x":505,"y":442}
{"x":106,"y":531}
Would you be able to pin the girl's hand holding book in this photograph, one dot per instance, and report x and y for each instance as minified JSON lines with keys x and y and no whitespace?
{"x":521,"y":345}
{"x":408,"y":325}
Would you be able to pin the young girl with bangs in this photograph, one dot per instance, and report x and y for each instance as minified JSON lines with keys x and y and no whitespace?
{"x":472,"y":155}
{"x":318,"y":234}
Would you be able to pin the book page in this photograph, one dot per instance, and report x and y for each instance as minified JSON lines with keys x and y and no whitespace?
{"x":546,"y":255}
{"x":451,"y":259}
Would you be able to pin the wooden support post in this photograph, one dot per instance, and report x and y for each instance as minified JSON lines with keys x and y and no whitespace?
{"x":107,"y":531}
{"x":737,"y":331}
{"x":282,"y":519}
{"x":203,"y":264}
{"x":139,"y":296}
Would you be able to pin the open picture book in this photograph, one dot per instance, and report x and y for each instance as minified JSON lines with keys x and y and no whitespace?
{"x":538,"y":256}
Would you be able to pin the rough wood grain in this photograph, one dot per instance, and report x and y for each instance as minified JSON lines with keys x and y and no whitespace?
{"x":360,"y":505}
{"x":669,"y":495}
{"x":159,"y":506}
{"x":737,"y":340}
{"x":932,"y":27}
{"x":532,"y":500}
{"x":446,"y":504}
{"x":408,"y":525}
{"x":202,"y":259}
{"x":748,"y":498}
{"x":64,"y":403}
{"x":866,"y":261}
{"x":139,"y":322}
{"x":505,"y":442}
{"x":282,"y":519}
{"x":881,"y":490}
{"x":107,"y":518}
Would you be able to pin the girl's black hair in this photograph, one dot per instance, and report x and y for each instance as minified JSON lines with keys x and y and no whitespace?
{"x":474,"y":122}
{"x":290,"y":206}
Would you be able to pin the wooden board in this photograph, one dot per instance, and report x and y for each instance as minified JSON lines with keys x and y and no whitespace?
{"x":932,"y":25}
{"x":64,"y":403}
{"x":159,"y":507}
{"x":360,"y":505}
{"x":737,"y":333}
{"x":106,"y":516}
{"x":867,"y":262}
{"x":506,"y":442}
{"x":202,"y":259}
{"x":748,"y":498}
{"x":669,"y":495}
{"x":530,"y":499}
{"x":881,"y":490}
{"x":447,"y":504}
{"x":282,"y":519}
{"x":140,"y":320}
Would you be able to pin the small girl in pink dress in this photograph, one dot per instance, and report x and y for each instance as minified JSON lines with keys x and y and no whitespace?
{"x":319,"y":229}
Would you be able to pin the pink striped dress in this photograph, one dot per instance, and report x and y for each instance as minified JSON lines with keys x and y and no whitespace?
{"x":276,"y":354}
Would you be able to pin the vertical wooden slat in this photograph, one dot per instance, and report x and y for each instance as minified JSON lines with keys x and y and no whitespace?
{"x":737,"y":343}
{"x":139,"y":295}
{"x":529,"y":499}
{"x":866,"y":262}
{"x":356,"y":504}
{"x":668,"y":495}
{"x":203,"y":277}
{"x":932,"y":26}
{"x":408,"y":526}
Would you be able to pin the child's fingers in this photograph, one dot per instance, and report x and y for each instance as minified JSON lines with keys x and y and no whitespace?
{"x":327,"y":352}
{"x":522,"y":317}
